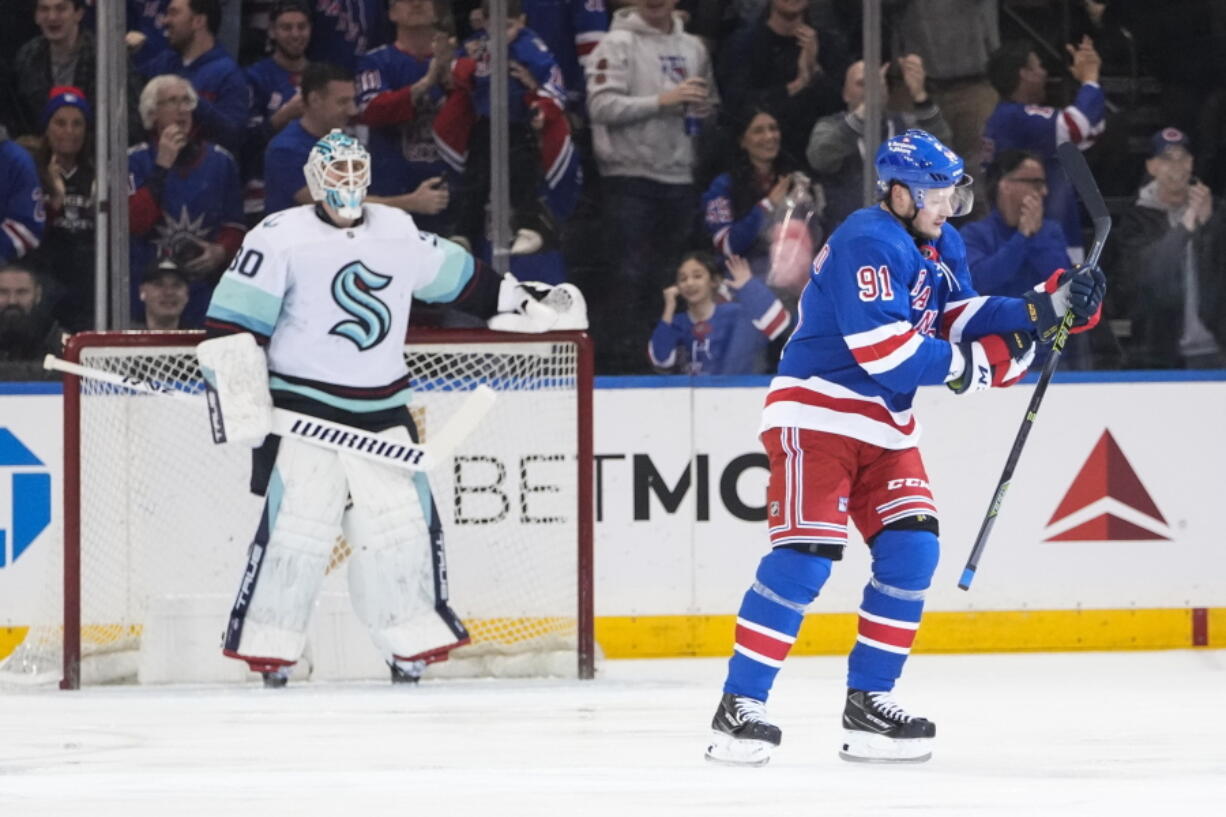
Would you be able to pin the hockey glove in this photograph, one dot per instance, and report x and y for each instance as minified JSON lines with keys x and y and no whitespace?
{"x":532,"y":306}
{"x":1080,"y":289}
{"x":992,"y":362}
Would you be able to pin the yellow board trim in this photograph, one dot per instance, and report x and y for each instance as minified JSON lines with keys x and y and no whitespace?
{"x":979,"y":631}
{"x":834,"y":633}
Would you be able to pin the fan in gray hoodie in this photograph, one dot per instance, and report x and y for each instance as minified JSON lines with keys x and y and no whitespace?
{"x":634,"y":81}
{"x":644,"y":80}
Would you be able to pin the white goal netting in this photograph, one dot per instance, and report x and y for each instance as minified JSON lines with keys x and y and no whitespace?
{"x":165,"y":521}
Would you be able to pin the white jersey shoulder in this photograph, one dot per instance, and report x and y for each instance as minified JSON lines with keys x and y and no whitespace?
{"x":335,"y":301}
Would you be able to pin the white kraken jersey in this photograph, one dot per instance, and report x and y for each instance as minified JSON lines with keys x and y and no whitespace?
{"x":334,"y":302}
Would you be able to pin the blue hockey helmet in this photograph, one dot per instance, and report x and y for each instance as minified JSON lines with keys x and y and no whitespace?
{"x":930,"y":171}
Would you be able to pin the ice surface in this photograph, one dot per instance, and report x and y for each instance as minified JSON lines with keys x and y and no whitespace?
{"x":1066,"y":734}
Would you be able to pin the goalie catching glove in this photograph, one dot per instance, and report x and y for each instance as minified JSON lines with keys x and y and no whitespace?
{"x":992,"y":362}
{"x":531,"y":306}
{"x":1080,"y":289}
{"x":236,"y":376}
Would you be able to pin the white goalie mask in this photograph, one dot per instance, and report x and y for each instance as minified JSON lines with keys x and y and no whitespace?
{"x":338,"y":173}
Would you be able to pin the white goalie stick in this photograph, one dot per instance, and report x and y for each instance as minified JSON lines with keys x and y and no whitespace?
{"x":324,"y":433}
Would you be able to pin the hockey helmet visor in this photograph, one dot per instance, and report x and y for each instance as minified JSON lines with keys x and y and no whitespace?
{"x":952,"y":201}
{"x":338,"y":173}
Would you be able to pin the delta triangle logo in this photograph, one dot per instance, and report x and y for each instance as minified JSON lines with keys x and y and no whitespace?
{"x":1107,"y":502}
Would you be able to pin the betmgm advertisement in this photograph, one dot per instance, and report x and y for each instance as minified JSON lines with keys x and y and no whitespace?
{"x":1108,"y":537}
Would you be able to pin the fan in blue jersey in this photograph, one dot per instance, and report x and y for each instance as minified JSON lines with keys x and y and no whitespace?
{"x":715,"y":335}
{"x":184,"y":198}
{"x":571,"y":30}
{"x":328,"y":104}
{"x":225,"y":98}
{"x":327,"y":289}
{"x":400,"y":89}
{"x":343,"y":30}
{"x":889,"y":307}
{"x":146,"y":35}
{"x":534,"y":85}
{"x":22,"y":216}
{"x":1022,"y":121}
{"x":275,"y":98}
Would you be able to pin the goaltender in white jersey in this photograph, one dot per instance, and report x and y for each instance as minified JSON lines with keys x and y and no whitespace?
{"x":334,"y":302}
{"x":327,"y":288}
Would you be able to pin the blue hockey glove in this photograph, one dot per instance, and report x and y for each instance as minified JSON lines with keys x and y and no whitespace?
{"x":1080,"y":289}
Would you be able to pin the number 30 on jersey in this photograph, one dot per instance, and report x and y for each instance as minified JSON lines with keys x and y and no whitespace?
{"x":874,"y":283}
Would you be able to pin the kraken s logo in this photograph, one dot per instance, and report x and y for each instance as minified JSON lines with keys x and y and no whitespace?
{"x":353,"y":290}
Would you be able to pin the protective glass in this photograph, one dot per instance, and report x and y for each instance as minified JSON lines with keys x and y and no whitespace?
{"x":953,"y":201}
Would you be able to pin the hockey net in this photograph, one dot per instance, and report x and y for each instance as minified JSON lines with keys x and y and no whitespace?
{"x":158,"y":519}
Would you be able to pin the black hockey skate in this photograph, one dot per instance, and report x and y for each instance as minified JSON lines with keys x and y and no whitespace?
{"x":741,"y":734}
{"x":275,"y":679}
{"x":406,"y":672}
{"x":877,"y":729}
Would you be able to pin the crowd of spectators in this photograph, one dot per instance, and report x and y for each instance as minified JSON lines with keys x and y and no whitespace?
{"x":679,"y":160}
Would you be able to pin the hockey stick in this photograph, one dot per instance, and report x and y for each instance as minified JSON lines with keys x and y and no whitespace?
{"x":324,"y":433}
{"x":1078,"y":171}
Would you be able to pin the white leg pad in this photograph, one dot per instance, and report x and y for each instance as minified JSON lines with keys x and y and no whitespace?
{"x":866,"y":747}
{"x":306,"y":499}
{"x":391,"y":570}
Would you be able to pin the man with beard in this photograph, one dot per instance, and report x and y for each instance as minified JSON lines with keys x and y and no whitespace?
{"x":27,"y":332}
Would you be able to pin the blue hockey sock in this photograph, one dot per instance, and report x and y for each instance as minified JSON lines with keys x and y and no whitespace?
{"x":770,"y":616}
{"x":903,"y":563}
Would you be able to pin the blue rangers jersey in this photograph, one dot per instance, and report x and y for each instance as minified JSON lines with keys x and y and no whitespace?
{"x":343,"y":30}
{"x":22,"y":218}
{"x":148,"y":17}
{"x":225,"y":97}
{"x":732,"y":236}
{"x":732,"y":341}
{"x":284,"y":160}
{"x":271,"y":87}
{"x":404,"y":154}
{"x":876,"y":322}
{"x":333,"y":304}
{"x":530,"y":51}
{"x":197,"y":203}
{"x":571,"y":30}
{"x":1038,"y":128}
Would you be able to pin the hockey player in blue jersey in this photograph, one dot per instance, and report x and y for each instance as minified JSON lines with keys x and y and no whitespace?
{"x":888,"y":308}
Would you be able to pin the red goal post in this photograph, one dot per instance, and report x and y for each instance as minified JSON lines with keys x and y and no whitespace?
{"x":148,"y":498}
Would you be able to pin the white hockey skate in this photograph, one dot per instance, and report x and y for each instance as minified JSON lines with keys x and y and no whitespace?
{"x":877,"y":730}
{"x":740,"y":733}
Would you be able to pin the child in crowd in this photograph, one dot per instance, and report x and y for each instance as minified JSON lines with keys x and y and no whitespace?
{"x":715,"y":335}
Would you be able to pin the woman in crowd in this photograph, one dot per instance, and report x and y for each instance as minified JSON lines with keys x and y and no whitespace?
{"x":714,"y":335}
{"x":66,"y":169}
{"x":762,"y":208}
